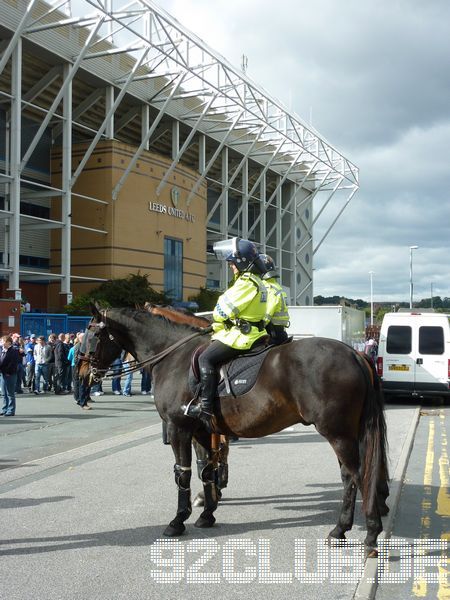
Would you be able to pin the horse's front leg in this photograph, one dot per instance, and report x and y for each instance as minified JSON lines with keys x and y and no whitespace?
{"x":207,"y":474}
{"x":181,"y":441}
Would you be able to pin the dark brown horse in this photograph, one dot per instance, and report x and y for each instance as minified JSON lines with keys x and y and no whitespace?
{"x":312,"y":381}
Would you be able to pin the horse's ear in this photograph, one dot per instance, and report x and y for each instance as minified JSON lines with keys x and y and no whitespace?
{"x":95,"y":311}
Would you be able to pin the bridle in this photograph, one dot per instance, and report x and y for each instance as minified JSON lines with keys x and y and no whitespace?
{"x":130,"y":366}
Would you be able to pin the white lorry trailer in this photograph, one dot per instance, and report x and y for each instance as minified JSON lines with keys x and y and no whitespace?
{"x":337,"y":322}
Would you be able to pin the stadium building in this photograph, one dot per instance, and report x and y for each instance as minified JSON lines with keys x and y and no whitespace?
{"x":128,"y":145}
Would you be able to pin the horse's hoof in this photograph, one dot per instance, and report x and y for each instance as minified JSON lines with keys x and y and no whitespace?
{"x":371,"y":552}
{"x":205,"y":522}
{"x":219,"y":493}
{"x":174,"y":529}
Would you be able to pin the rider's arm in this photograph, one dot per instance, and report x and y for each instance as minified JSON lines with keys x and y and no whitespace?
{"x":232,"y":302}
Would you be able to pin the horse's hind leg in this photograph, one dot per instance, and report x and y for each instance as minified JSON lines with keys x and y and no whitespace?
{"x":346,"y":516}
{"x":347,"y":451}
{"x":181,"y":446}
{"x":348,"y":454}
{"x":206,"y":473}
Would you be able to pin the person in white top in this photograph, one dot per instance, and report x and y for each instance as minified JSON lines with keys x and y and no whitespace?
{"x":41,"y":353}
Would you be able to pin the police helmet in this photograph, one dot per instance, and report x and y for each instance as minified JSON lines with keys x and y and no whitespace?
{"x":269,"y":266}
{"x":241,"y":253}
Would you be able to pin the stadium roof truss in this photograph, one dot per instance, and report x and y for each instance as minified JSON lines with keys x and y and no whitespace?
{"x":128,"y":70}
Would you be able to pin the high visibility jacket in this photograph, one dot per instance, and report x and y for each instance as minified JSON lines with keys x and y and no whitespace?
{"x":277,"y":312}
{"x":245,"y":300}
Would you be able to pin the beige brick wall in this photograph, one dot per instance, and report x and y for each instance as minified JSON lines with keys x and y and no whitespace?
{"x":136,"y":223}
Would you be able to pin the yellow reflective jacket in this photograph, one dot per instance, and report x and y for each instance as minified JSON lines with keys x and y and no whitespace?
{"x":246,"y":299}
{"x":277,"y":312}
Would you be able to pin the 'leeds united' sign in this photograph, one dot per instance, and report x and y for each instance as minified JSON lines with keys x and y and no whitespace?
{"x":172,"y":211}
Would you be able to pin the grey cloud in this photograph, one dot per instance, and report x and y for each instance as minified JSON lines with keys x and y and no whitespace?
{"x":375,"y":77}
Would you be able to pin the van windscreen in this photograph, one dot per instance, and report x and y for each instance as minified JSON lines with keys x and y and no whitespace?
{"x":431,"y":340}
{"x":398,"y":339}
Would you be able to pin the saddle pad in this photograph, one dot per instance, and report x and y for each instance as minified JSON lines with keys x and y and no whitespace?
{"x":241,"y":374}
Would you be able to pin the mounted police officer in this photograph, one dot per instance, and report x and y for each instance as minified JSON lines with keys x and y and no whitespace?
{"x":238,"y":319}
{"x":277,"y":316}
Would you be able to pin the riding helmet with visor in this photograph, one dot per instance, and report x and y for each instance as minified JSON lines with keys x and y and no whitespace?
{"x":242,"y":253}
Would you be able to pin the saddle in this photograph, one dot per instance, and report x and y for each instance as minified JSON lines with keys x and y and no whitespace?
{"x":238,"y":376}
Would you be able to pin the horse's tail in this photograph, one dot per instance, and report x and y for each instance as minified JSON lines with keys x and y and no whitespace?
{"x":373,"y":438}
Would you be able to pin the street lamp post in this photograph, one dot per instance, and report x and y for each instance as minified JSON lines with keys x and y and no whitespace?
{"x":371,"y":297}
{"x":411,"y":248}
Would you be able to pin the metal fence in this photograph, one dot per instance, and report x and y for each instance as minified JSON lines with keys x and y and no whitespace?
{"x":46,"y":323}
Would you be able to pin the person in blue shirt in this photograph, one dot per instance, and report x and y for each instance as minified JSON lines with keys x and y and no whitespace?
{"x":29,"y":363}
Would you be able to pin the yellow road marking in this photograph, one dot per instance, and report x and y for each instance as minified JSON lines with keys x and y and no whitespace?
{"x":419,"y":588}
{"x":443,"y":509}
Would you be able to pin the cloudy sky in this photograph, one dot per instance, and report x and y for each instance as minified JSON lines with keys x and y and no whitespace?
{"x":373,"y":77}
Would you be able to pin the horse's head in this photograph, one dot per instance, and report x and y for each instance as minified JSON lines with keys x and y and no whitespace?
{"x":106,"y":346}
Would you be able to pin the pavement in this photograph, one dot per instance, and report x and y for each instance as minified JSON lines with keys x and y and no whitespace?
{"x":85,"y":497}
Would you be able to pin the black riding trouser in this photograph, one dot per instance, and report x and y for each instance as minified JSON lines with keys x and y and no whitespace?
{"x":216,"y":354}
{"x":209,"y":361}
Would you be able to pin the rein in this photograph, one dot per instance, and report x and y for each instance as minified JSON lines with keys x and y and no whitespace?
{"x":147,"y":362}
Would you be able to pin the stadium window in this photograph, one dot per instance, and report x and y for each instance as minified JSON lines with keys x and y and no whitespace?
{"x":173,"y":268}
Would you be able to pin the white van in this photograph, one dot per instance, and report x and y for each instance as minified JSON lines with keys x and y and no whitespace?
{"x":414,"y":354}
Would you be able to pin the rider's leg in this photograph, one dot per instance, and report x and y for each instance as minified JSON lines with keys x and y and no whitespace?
{"x":216,"y":354}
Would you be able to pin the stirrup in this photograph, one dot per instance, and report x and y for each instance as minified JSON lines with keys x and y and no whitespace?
{"x":187,"y":408}
{"x":193,"y":410}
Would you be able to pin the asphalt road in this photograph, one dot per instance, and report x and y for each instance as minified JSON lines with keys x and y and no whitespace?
{"x":85,"y":497}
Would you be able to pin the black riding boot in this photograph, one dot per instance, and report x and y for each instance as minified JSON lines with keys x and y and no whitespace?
{"x":205,"y":409}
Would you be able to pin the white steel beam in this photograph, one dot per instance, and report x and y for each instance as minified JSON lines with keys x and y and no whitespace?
{"x":66,"y":207}
{"x":352,"y":193}
{"x":77,"y":111}
{"x":202,"y":177}
{"x":109,"y":103}
{"x":180,"y":153}
{"x":224,"y":215}
{"x":141,"y":148}
{"x":109,"y":113}
{"x":14,"y":166}
{"x":17,"y":35}
{"x":145,"y":125}
{"x":59,"y":96}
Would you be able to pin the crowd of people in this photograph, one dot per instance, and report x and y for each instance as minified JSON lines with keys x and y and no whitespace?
{"x":40,"y":365}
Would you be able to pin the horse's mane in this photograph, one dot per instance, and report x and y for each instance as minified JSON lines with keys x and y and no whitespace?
{"x":142,"y":315}
{"x":176,"y":314}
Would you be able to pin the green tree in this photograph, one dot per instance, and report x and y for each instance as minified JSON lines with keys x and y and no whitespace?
{"x":129,"y":291}
{"x":206,"y":299}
